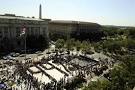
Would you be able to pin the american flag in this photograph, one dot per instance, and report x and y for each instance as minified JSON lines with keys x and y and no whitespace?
{"x":23,"y":31}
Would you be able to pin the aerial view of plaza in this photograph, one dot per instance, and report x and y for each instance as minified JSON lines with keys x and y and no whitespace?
{"x":67,"y":45}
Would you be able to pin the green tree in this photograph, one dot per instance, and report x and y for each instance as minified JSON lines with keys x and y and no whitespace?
{"x":100,"y":84}
{"x":78,"y":46}
{"x":119,"y":76}
{"x":70,"y":44}
{"x":60,"y":43}
{"x":86,"y":47}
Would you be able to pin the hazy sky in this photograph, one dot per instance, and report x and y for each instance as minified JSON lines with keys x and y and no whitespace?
{"x":108,"y":12}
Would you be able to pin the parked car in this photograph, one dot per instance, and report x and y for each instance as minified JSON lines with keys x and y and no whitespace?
{"x":5,"y":58}
{"x":10,"y":57}
{"x":17,"y":54}
{"x":27,"y":58}
{"x":48,"y":52}
{"x":22,"y":55}
{"x":14,"y":54}
{"x":40,"y":54}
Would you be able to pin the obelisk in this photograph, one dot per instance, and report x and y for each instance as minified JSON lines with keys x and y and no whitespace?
{"x":40,"y":12}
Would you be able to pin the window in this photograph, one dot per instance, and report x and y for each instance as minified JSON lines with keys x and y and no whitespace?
{"x":5,"y":30}
{"x":44,"y":30}
{"x":18,"y":31}
{"x":32,"y":32}
{"x":0,"y":33}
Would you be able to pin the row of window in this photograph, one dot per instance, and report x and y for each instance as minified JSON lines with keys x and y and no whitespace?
{"x":5,"y":31}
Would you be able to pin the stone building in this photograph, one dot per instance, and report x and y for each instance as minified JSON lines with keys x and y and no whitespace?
{"x":74,"y":29}
{"x":11,"y":27}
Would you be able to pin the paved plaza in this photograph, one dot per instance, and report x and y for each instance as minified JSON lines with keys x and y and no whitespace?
{"x":45,"y":68}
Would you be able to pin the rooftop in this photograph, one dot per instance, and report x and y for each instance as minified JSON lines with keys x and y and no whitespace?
{"x":70,"y":22}
{"x":13,"y":16}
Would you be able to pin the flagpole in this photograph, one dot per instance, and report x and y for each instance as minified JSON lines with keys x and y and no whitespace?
{"x":25,"y":45}
{"x":23,"y":32}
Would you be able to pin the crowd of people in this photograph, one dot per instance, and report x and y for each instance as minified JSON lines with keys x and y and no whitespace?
{"x":26,"y":81}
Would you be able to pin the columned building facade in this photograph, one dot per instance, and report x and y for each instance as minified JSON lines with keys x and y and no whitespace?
{"x":11,"y":27}
{"x":74,"y":29}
